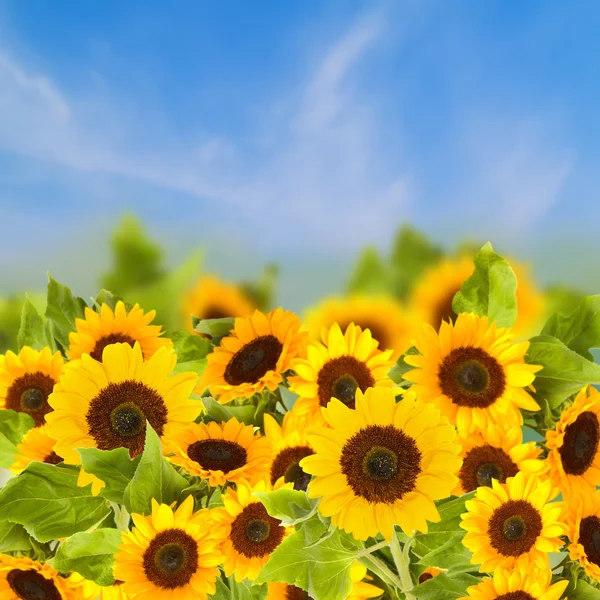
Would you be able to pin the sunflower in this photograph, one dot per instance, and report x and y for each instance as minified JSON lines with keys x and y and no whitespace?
{"x":99,"y":330}
{"x":381,"y":463}
{"x":433,"y":294}
{"x":513,"y":523}
{"x":473,"y":372}
{"x":583,"y":522}
{"x":495,"y":453}
{"x":389,"y":322}
{"x":251,"y":533}
{"x":212,"y":298}
{"x":518,"y":584}
{"x":36,"y":445}
{"x":27,"y":379}
{"x":106,"y":404}
{"x":25,"y":579}
{"x":170,"y":554}
{"x":574,"y":453}
{"x":254,"y":356}
{"x":290,"y":446}
{"x":114,"y":592}
{"x":361,"y":588}
{"x":430,"y":573}
{"x":220,"y":452}
{"x":337,"y":368}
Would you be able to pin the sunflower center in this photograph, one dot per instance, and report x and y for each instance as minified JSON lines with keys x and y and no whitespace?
{"x":171,"y":559}
{"x":514,"y":527}
{"x":484,"y":463}
{"x":589,"y":537}
{"x":519,"y":595}
{"x":107,"y":340}
{"x":218,"y":455}
{"x":295,"y":593}
{"x":580,"y":444}
{"x":53,"y":459}
{"x":444,"y":310}
{"x":29,"y":393}
{"x":341,"y":377}
{"x":381,"y":463}
{"x":471,"y":377}
{"x":287,"y":465}
{"x":254,"y":532}
{"x":117,"y":416}
{"x":253,"y":360}
{"x":423,"y":577}
{"x":30,"y":585}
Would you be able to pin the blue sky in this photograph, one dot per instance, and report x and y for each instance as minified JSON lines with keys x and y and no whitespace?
{"x":297,"y":131}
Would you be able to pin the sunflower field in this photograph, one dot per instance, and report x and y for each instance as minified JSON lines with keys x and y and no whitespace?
{"x":431,"y":434}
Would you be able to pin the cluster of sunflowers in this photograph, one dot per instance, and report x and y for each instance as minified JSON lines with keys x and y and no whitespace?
{"x":247,"y":459}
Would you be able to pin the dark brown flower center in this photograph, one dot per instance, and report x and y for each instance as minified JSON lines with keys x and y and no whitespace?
{"x":589,"y":538}
{"x":171,"y":559}
{"x":254,"y":360}
{"x":286,"y":465}
{"x":29,"y":394}
{"x":295,"y":593}
{"x":381,"y":463}
{"x":514,"y":527}
{"x":471,"y":377}
{"x":117,"y":416}
{"x":254,"y":532}
{"x":423,"y":577}
{"x":484,"y":463}
{"x":31,"y":585}
{"x":520,"y":595}
{"x":212,"y":311}
{"x":580,"y":444}
{"x":218,"y":455}
{"x":107,"y":340}
{"x":53,"y":459}
{"x":341,"y":377}
{"x":444,"y":310}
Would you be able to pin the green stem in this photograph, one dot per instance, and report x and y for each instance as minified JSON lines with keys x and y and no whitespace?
{"x":121,"y":517}
{"x":381,"y":569}
{"x":402,"y":562}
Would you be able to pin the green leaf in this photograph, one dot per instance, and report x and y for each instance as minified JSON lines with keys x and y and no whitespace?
{"x":91,"y":554}
{"x":216,"y":328}
{"x":289,"y":506}
{"x":34,"y":331}
{"x":106,"y":297}
{"x":580,"y":590}
{"x":189,"y":346}
{"x":47,"y":501}
{"x":322,"y":569}
{"x":579,"y":329}
{"x":445,"y":587}
{"x":221,"y":413}
{"x":13,"y":426}
{"x":62,"y":308}
{"x":262,"y":291}
{"x":371,"y":274}
{"x":13,"y":538}
{"x":490,"y":291}
{"x":114,"y":467}
{"x":396,"y":373}
{"x":154,"y":477}
{"x":564,"y":371}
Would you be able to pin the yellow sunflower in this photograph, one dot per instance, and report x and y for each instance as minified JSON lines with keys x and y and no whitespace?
{"x":106,"y":404}
{"x":27,"y":379}
{"x":99,"y":330}
{"x":36,"y":445}
{"x":251,"y":533}
{"x":513,"y":524}
{"x":381,"y":463}
{"x":254,"y":357}
{"x":290,"y":446}
{"x":212,"y":298}
{"x":25,"y":579}
{"x":518,"y":584}
{"x":495,"y":453}
{"x":361,"y":588}
{"x":220,"y":452}
{"x":114,"y":592}
{"x":433,"y":294}
{"x":574,"y":453}
{"x":473,"y":372}
{"x":430,"y":573}
{"x":337,"y":368}
{"x":170,"y":554}
{"x":389,"y":322}
{"x":583,"y":522}
{"x":84,"y":588}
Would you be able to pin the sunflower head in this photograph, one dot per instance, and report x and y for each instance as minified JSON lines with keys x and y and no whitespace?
{"x":473,"y":372}
{"x":220,"y":452}
{"x":382,"y":463}
{"x":170,"y":553}
{"x":513,"y":523}
{"x":336,"y":368}
{"x":100,"y":329}
{"x":430,"y":573}
{"x":254,"y":357}
{"x":574,"y":457}
{"x":36,"y":445}
{"x":27,"y":380}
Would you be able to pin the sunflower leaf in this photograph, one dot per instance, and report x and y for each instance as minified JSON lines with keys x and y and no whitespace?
{"x":91,"y":554}
{"x":216,"y":328}
{"x":371,"y":274}
{"x":47,"y":501}
{"x":289,"y":506}
{"x":34,"y":331}
{"x":445,"y":587}
{"x":490,"y":291}
{"x":62,"y":308}
{"x":13,"y":537}
{"x":189,"y":346}
{"x":13,"y":426}
{"x":396,"y":373}
{"x":242,"y":590}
